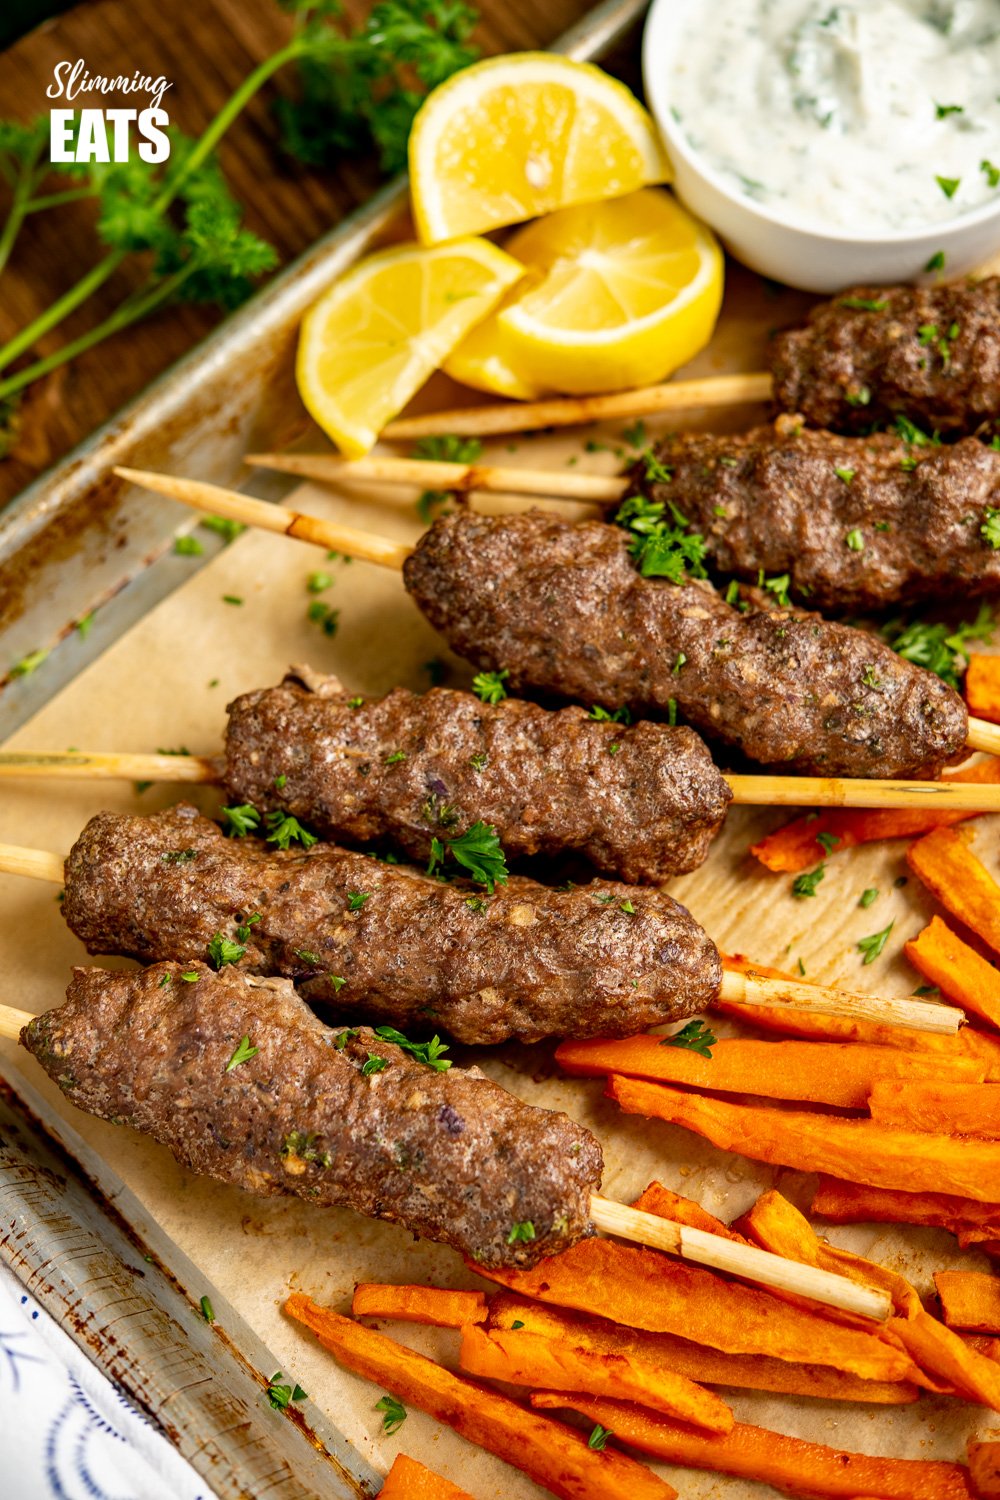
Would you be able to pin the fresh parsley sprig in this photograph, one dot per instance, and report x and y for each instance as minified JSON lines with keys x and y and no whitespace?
{"x":938,"y":647}
{"x":429,"y":1053}
{"x":477,"y":850}
{"x":661,"y":548}
{"x":696,"y":1036}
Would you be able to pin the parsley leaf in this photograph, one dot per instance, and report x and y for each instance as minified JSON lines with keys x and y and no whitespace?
{"x":990,"y":529}
{"x":489,"y":686}
{"x":283,"y":830}
{"x":661,"y":550}
{"x":521,"y":1233}
{"x":243,"y":1052}
{"x":280,"y":1396}
{"x":428,"y":1053}
{"x":477,"y":850}
{"x":864,"y":304}
{"x":872,"y":946}
{"x":948,"y":185}
{"x":222,"y":951}
{"x":867,"y":897}
{"x":393,"y":1414}
{"x":357,"y":899}
{"x":599,"y":1437}
{"x":241,"y":820}
{"x":805,"y":884}
{"x":618,"y":716}
{"x":375,"y":1064}
{"x":696,"y":1036}
{"x":937,"y":647}
{"x":828,"y":841}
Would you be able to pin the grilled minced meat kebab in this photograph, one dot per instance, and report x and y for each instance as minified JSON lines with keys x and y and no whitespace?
{"x":855,"y":523}
{"x":640,"y":801}
{"x":930,"y":354}
{"x":241,"y":1081}
{"x":563,"y":608}
{"x":385,"y":942}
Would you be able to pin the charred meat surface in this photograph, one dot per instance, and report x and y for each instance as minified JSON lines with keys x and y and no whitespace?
{"x":565,"y":611}
{"x":387,"y":943}
{"x":856,"y":523}
{"x":642,"y":801}
{"x":341,"y":1119}
{"x":929,"y":353}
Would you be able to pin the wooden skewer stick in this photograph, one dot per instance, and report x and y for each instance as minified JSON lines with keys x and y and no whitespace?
{"x":677,"y":1239}
{"x":431,"y":475}
{"x":353,"y":543}
{"x":569,"y":411}
{"x":737,"y":1260}
{"x":748,"y":791}
{"x":736,"y":988}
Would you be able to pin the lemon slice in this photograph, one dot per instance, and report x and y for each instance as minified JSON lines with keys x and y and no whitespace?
{"x":377,"y":334}
{"x":618,"y":295}
{"x":483,"y":360}
{"x":521,"y":135}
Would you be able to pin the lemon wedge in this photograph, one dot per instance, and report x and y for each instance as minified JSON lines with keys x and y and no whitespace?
{"x":379,"y":332}
{"x":617,"y":295}
{"x":482,"y":360}
{"x":517,"y":136}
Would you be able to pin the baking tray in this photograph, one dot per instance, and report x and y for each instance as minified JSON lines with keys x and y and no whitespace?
{"x":76,"y":541}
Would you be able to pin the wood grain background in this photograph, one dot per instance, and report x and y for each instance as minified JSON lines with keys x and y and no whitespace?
{"x":206,"y":47}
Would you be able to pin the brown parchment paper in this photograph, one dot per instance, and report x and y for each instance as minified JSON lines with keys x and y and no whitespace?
{"x":166,"y":684}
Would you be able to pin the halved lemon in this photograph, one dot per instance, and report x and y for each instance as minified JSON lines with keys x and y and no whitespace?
{"x":617,"y":295}
{"x":482,"y":359}
{"x":380,"y":331}
{"x":517,"y":136}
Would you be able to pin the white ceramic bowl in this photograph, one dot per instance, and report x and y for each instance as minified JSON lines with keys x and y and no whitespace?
{"x":816,"y":260}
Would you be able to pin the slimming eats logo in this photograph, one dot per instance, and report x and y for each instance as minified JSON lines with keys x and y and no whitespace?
{"x":105,"y":135}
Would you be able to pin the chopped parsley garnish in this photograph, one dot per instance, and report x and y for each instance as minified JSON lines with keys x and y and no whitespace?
{"x":395,"y":757}
{"x":868,"y":896}
{"x":861,"y":397}
{"x":911,"y":433}
{"x":992,"y":172}
{"x":679,"y":662}
{"x":617,"y":716}
{"x":942,"y":111}
{"x":231,"y":599}
{"x":279,"y":783}
{"x":355,"y":702}
{"x":805,"y":884}
{"x":85,"y":624}
{"x":948,"y":185}
{"x":517,"y":1323}
{"x":598,"y":1437}
{"x":357,"y":899}
{"x":936,"y":262}
{"x":990,"y":529}
{"x":479,"y":761}
{"x":321,"y":614}
{"x":448,"y":448}
{"x":672,"y":712}
{"x":872,"y":946}
{"x":307,"y":956}
{"x":845,"y":475}
{"x":243,"y":1053}
{"x":342,"y":1038}
{"x":375,"y":1064}
{"x":243,"y":930}
{"x":828,"y":841}
{"x":489,"y":686}
{"x":222,"y":951}
{"x":521,"y":1233}
{"x":281,"y":1395}
{"x":476,"y":903}
{"x":864,"y":304}
{"x":868,"y":678}
{"x":477,"y":850}
{"x":635,"y":435}
{"x":429,"y":1053}
{"x":223,"y":526}
{"x":317,"y":582}
{"x":338,"y":982}
{"x":28,"y":664}
{"x":302,"y":1144}
{"x":694,"y":1037}
{"x":659,"y":548}
{"x":626,"y":906}
{"x":777,"y":586}
{"x":938,"y":647}
{"x":191,"y":976}
{"x":188,"y":546}
{"x":283,"y":830}
{"x":855,"y":540}
{"x":207,"y":1310}
{"x":179,"y":856}
{"x":393,"y":1414}
{"x":241,"y":820}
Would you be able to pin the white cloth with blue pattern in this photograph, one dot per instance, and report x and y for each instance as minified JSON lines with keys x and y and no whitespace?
{"x":66,"y":1433}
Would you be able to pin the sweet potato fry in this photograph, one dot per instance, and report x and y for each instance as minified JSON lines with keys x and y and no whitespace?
{"x":973,"y":1240}
{"x":969,"y":1299}
{"x":856,"y":1203}
{"x":961,"y":882}
{"x":522,"y":1358}
{"x":666,"y":1204}
{"x":755,"y":1372}
{"x":962,"y":974}
{"x":817,"y":1072}
{"x":408,"y":1480}
{"x":796,"y":846}
{"x":940,"y":1108}
{"x":876,"y":1154}
{"x":645,"y":1289}
{"x":982,"y":686}
{"x":947,"y":1363}
{"x":984,"y":1465}
{"x":554,"y":1457}
{"x":789,"y":1464}
{"x":436,"y":1306}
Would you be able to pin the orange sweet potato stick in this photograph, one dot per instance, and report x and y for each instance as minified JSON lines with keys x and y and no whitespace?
{"x":856,"y":1203}
{"x":948,"y":1364}
{"x":982,"y":686}
{"x":880,"y":1155}
{"x":666,"y":1204}
{"x":969,"y":1299}
{"x":408,"y":1480}
{"x":984,"y":1465}
{"x":755,"y":1372}
{"x":555,"y":1458}
{"x":789,"y":1464}
{"x":939,"y":1108}
{"x":645,"y":1289}
{"x":816,"y":1072}
{"x":436,"y":1306}
{"x":521,"y":1358}
{"x":961,"y":882}
{"x":962,"y":974}
{"x":796,"y":846}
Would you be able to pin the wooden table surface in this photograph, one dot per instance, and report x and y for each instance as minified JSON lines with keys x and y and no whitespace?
{"x":205,"y":47}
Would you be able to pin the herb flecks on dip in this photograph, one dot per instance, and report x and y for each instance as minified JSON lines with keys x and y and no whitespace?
{"x":867,"y":116}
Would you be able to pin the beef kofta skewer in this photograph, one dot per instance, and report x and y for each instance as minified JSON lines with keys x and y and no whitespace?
{"x":243,"y":1084}
{"x":563,"y":609}
{"x":860,"y":359}
{"x":389,"y":944}
{"x":641,"y":802}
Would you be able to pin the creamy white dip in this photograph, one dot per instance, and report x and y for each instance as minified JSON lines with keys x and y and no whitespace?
{"x":865,"y":115}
